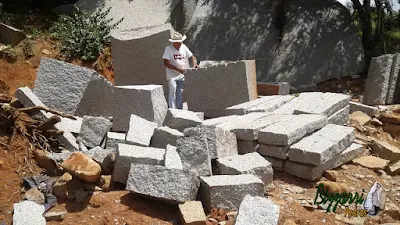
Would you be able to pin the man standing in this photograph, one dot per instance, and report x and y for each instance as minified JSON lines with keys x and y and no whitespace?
{"x":176,"y":62}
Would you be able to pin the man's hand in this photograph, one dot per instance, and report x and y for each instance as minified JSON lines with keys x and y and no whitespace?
{"x":182,"y":71}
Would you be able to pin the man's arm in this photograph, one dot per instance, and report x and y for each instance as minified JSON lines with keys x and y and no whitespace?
{"x":172,"y":67}
{"x":194,"y":62}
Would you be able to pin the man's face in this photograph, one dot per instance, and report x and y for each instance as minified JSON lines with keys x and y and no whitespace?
{"x":177,"y":45}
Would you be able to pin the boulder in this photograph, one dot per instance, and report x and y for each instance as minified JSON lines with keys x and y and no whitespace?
{"x":140,"y":131}
{"x":83,"y":167}
{"x":257,"y":211}
{"x":10,"y":35}
{"x":93,"y":130}
{"x":167,"y":184}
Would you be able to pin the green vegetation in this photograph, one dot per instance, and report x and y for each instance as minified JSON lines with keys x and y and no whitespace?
{"x":8,"y":53}
{"x":83,"y":35}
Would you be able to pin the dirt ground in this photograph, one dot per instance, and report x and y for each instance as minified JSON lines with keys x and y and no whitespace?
{"x":294,"y":195}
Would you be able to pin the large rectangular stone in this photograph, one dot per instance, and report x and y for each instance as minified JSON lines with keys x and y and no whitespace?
{"x":322,"y":145}
{"x":28,"y":212}
{"x":377,"y":83}
{"x":242,"y":120}
{"x":320,"y":103}
{"x":113,"y":138}
{"x":312,"y":172}
{"x":242,"y":109}
{"x":127,"y":154}
{"x":221,"y":143}
{"x":172,"y":158}
{"x":394,"y":80}
{"x":140,"y":131}
{"x":93,"y":130}
{"x":215,"y":94}
{"x":146,"y":101}
{"x":369,"y":110}
{"x":164,"y":136}
{"x":60,"y":85}
{"x":271,"y":105}
{"x":97,"y":99}
{"x":228,"y":191}
{"x":257,"y":211}
{"x":219,"y":120}
{"x":291,"y":129}
{"x":168,"y":184}
{"x":181,"y":119}
{"x":250,"y":163}
{"x":247,"y":146}
{"x":340,"y":117}
{"x":280,"y":152}
{"x":194,"y":152}
{"x":277,"y":164}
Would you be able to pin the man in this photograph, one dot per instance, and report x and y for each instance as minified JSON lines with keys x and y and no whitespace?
{"x":176,"y":58}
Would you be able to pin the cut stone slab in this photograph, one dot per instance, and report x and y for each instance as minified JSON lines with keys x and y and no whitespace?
{"x":251,"y":163}
{"x":164,"y":136}
{"x":257,"y":211}
{"x":243,"y":108}
{"x":194,"y":152}
{"x":394,"y":81}
{"x":216,"y":191}
{"x":93,"y":130}
{"x":359,"y":118}
{"x":291,"y":129}
{"x":340,"y":117}
{"x":10,"y":35}
{"x":97,"y":99}
{"x":192,"y":213}
{"x":171,"y":185}
{"x":249,"y":130}
{"x":372,"y":162}
{"x":128,"y":154}
{"x":180,"y":119}
{"x":272,"y":104}
{"x":140,"y":131}
{"x":322,"y":145}
{"x":219,"y":120}
{"x":28,"y":212}
{"x":394,"y":168}
{"x":82,"y":166}
{"x":280,"y":152}
{"x":277,"y":164}
{"x":135,"y":43}
{"x":172,"y":158}
{"x":312,"y":172}
{"x":113,"y":138}
{"x":369,"y":110}
{"x":385,"y":150}
{"x":60,"y":85}
{"x":241,"y":120}
{"x":150,"y":104}
{"x":320,"y":103}
{"x":221,"y":143}
{"x":215,"y":94}
{"x":377,"y":83}
{"x":247,"y":146}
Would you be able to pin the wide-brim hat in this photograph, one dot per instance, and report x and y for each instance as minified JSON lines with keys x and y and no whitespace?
{"x":177,"y":37}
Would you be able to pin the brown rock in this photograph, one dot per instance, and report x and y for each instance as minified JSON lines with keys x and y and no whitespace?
{"x":35,"y":195}
{"x":389,"y":117}
{"x":331,"y":175}
{"x":335,"y":187}
{"x":394,"y":168}
{"x":392,"y":129}
{"x":46,"y":163}
{"x":385,"y":150}
{"x":371,"y":162}
{"x":66,"y":187}
{"x":219,"y":214}
{"x":192,"y":213}
{"x":105,"y":182}
{"x":83,"y":167}
{"x":359,"y":118}
{"x":289,"y":222}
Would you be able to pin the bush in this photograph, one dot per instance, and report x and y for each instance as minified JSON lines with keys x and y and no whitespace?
{"x":83,"y":35}
{"x":8,"y":53}
{"x":27,"y":48}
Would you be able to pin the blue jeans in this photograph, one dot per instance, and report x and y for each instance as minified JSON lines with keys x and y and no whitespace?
{"x":175,"y":99}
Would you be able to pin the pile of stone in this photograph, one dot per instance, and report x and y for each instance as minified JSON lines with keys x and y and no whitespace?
{"x":383,"y":81}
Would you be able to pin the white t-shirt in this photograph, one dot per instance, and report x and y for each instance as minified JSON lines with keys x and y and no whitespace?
{"x":178,"y":58}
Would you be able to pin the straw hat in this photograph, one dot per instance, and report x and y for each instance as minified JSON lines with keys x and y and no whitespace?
{"x":177,"y":37}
